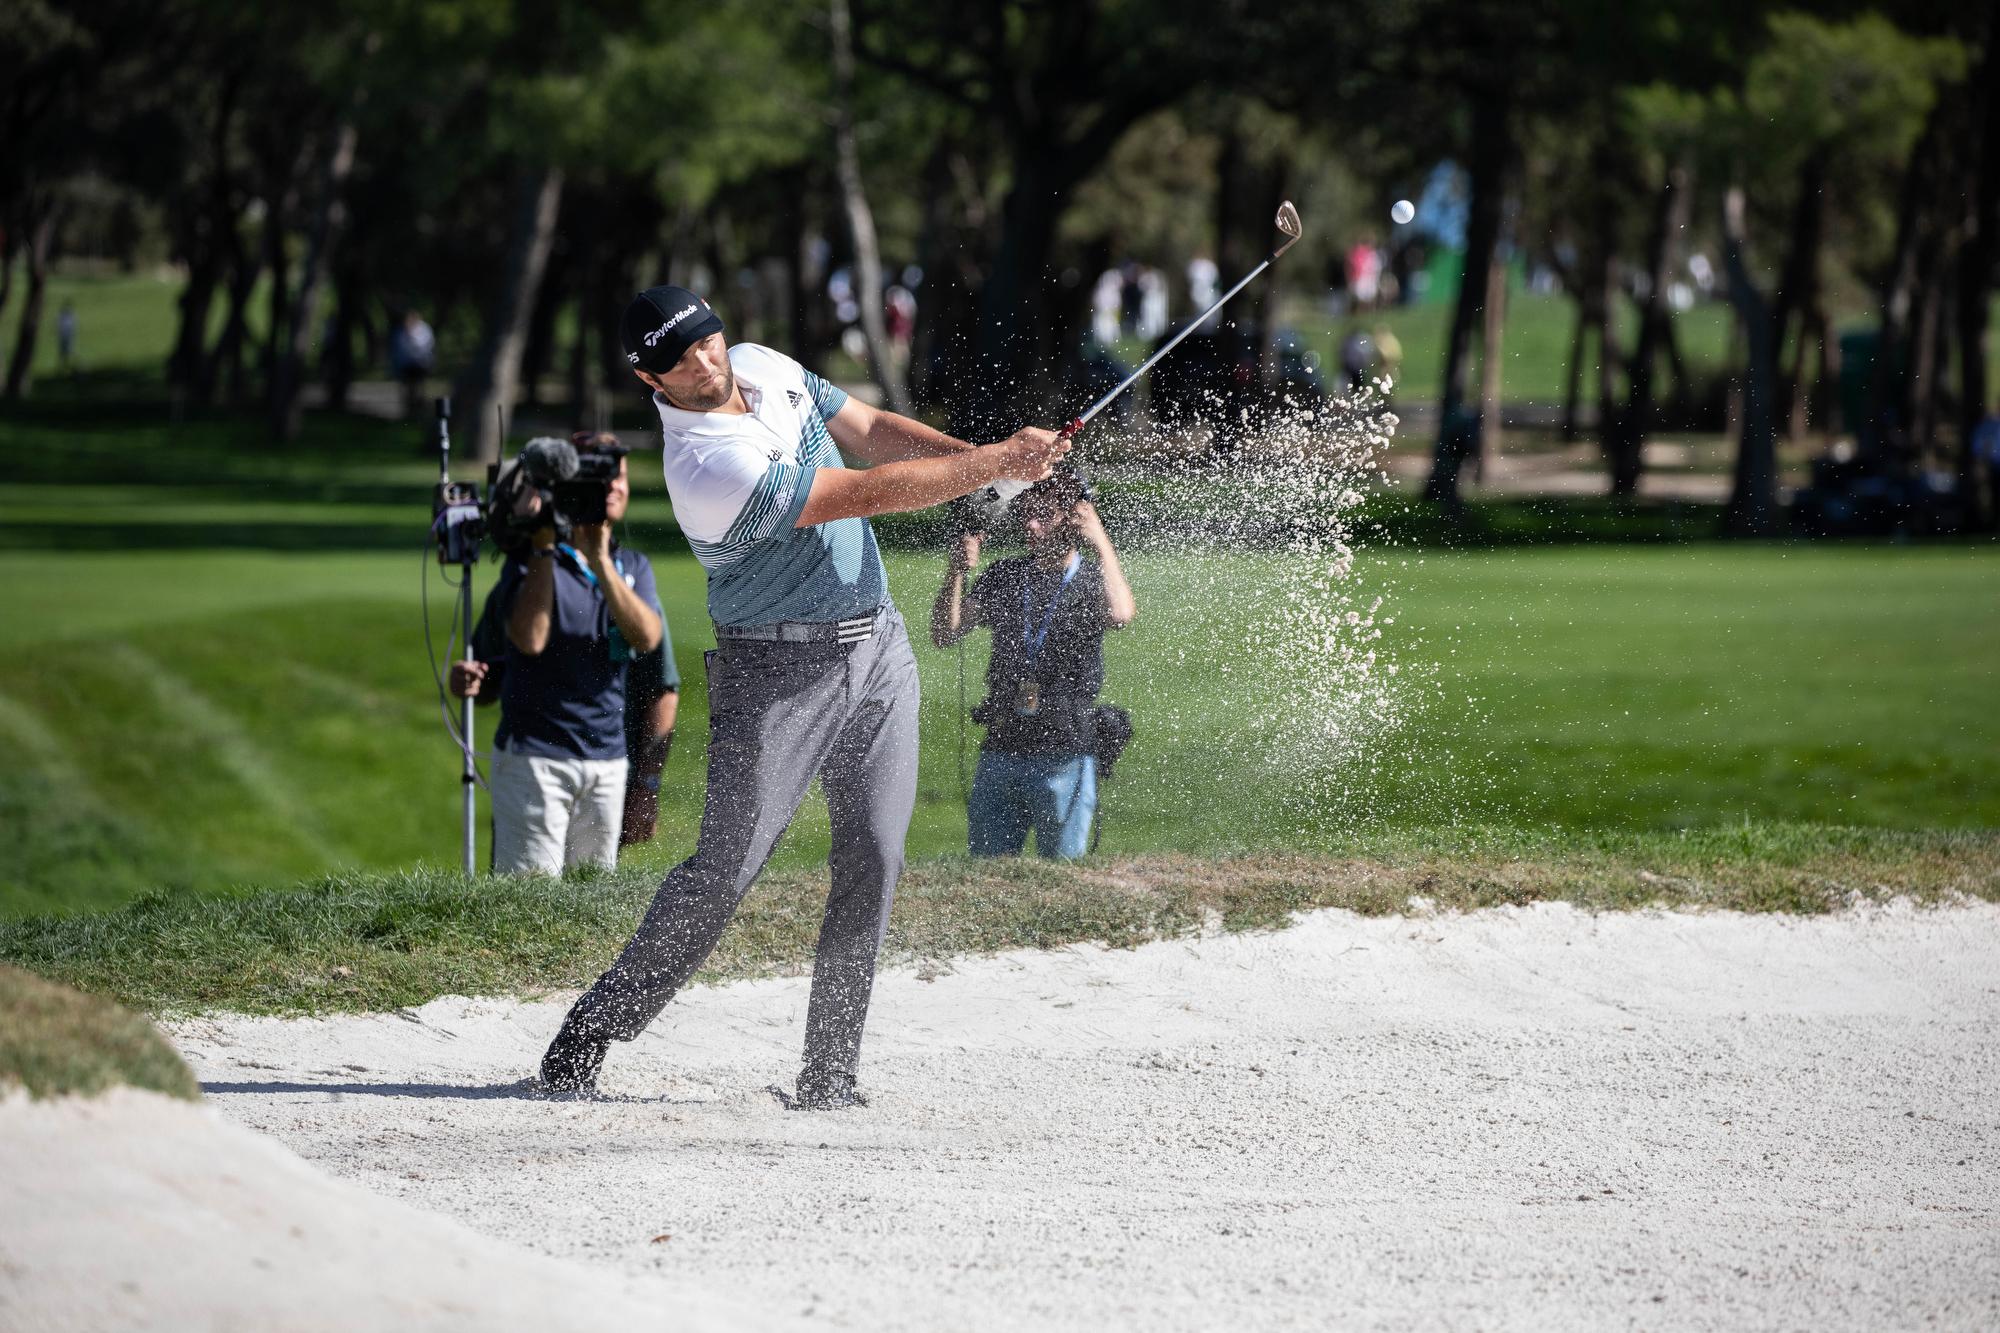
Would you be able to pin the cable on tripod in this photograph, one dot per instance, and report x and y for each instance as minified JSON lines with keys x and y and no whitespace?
{"x":459,"y":738}
{"x":964,"y":787}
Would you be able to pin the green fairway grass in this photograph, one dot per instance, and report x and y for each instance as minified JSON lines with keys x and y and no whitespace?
{"x":210,"y":720}
{"x":215,"y":678}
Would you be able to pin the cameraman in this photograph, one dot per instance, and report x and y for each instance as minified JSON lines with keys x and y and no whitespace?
{"x":1048,"y":611}
{"x":564,"y":624}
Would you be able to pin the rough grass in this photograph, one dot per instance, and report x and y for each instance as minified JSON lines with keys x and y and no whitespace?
{"x":55,"y":1041}
{"x":390,"y":941}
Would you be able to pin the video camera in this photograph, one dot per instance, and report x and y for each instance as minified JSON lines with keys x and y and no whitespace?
{"x":458,"y":523}
{"x":552,"y":482}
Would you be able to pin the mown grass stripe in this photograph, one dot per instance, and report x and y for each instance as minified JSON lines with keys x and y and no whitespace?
{"x":231,"y":743}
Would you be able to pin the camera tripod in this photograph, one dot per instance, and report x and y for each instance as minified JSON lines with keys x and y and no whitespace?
{"x":457,"y":527}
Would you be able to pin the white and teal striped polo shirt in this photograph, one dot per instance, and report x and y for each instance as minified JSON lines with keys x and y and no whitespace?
{"x":738,"y":484}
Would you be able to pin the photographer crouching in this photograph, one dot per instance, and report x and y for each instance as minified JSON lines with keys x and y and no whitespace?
{"x":1048,"y":611}
{"x":572,"y":612}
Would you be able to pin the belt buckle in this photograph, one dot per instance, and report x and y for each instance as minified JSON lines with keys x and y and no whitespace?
{"x":853,"y":631}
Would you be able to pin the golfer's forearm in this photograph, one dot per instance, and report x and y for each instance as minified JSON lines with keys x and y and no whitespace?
{"x":892,"y":438}
{"x":894,"y":488}
{"x":872,"y":436}
{"x":533,"y":617}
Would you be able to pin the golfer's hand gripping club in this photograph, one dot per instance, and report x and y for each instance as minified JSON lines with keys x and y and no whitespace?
{"x":1031,"y":453}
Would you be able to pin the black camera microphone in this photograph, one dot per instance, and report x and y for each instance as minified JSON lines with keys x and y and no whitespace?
{"x":548,"y":460}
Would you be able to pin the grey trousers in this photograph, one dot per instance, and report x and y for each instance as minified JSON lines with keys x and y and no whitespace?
{"x":779,"y":714}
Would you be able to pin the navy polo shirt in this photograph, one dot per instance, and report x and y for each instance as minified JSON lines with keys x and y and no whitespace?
{"x":568,"y":701}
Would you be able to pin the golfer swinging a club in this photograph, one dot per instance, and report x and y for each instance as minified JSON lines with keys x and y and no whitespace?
{"x":813,"y":675}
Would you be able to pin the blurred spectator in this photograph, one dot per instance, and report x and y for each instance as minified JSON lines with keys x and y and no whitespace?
{"x":840,"y":290}
{"x":1204,"y":283}
{"x":1104,"y":306}
{"x":899,"y":314}
{"x":1986,"y":449}
{"x":1336,"y":285}
{"x":1364,"y":273}
{"x":1130,"y":297}
{"x":1702,"y":272}
{"x":1152,"y":303}
{"x":66,"y":337}
{"x":1388,"y":352}
{"x":412,"y":352}
{"x":1357,"y":358}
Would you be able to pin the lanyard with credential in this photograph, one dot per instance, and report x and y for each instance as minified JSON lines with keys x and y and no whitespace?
{"x":583,"y":566}
{"x":620,"y":650}
{"x":1032,"y":639}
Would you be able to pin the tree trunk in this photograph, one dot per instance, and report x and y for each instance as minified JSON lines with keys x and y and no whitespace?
{"x":185,"y":363}
{"x":1492,"y":333}
{"x":1625,"y":433}
{"x":946,"y":308}
{"x":1670,"y":343}
{"x":1798,"y":284}
{"x":1753,"y":499}
{"x":584,"y":409}
{"x":1601,"y":282}
{"x":1977,"y":254}
{"x":337,"y":358}
{"x":882,"y":367}
{"x":1889,"y":397}
{"x":225,"y":363}
{"x":1800,"y":289}
{"x":1013,"y":326}
{"x":493,"y":380}
{"x":611,"y":286}
{"x":1458,"y":428}
{"x":21,"y":365}
{"x":278,"y":301}
{"x":1928,"y":356}
{"x":6,"y":266}
{"x":798,"y":291}
{"x":207,"y":242}
{"x":330,"y":213}
{"x":538,"y":349}
{"x":1573,"y":383}
{"x":1811,"y":346}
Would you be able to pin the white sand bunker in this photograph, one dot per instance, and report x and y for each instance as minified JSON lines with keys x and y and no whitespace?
{"x":1525,"y":1119}
{"x":137,"y":1211}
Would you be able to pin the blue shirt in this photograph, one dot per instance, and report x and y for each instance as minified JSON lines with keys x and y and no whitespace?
{"x":568,"y":701}
{"x":739,"y":481}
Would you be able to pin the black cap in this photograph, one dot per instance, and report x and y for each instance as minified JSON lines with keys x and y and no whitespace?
{"x":598,"y":442}
{"x":661,"y":323}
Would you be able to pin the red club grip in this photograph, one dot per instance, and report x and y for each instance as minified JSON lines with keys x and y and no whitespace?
{"x":1069,"y":432}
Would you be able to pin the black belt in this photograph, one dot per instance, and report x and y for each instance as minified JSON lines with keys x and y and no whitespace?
{"x":853,"y":630}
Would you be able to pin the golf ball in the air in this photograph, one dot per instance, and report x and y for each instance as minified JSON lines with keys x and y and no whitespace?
{"x":1402,"y":211}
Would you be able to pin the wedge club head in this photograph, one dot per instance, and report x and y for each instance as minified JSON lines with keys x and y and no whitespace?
{"x":1288,"y":223}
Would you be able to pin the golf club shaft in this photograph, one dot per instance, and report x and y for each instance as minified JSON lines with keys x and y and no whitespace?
{"x":1171,"y":343}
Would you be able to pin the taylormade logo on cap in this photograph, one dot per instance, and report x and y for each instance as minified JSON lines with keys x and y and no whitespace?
{"x":653,"y":338}
{"x":661,"y":323}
